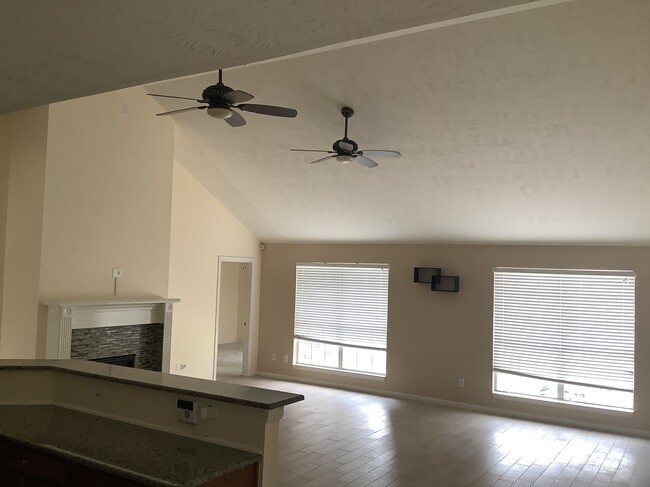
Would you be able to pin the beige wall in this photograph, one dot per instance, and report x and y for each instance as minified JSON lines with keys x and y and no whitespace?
{"x":435,"y":338}
{"x":202,"y":230}
{"x":23,"y":185}
{"x":228,"y":302}
{"x":107,"y":197}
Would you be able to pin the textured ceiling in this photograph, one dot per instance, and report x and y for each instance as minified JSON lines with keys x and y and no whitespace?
{"x":53,"y":51}
{"x":531,"y":127}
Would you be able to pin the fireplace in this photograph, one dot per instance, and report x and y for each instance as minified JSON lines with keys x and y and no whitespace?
{"x":97,"y":329}
{"x":123,"y":360}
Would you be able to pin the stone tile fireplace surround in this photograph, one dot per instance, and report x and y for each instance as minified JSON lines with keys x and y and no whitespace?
{"x":97,"y":329}
{"x":143,"y":341}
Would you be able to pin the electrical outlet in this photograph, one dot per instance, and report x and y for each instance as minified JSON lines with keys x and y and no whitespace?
{"x":272,"y":356}
{"x":180,"y":366}
{"x":461,"y":382}
{"x":117,"y":272}
{"x":286,"y":359}
{"x":209,"y":411}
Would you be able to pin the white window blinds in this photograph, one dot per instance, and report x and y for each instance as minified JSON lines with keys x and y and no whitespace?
{"x":342,"y":304}
{"x":575,"y":327}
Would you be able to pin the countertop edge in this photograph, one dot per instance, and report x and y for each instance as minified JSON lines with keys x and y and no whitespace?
{"x":178,"y":390}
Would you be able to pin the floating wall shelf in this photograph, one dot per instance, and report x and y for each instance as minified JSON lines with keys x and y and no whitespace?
{"x":434,"y":277}
{"x":425,"y":275}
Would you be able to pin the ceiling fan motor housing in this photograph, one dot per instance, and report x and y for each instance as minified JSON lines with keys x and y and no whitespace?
{"x":345,"y":146}
{"x":214,"y":95}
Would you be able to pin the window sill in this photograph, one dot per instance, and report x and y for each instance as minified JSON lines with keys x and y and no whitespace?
{"x":344,"y":373}
{"x":543,"y":401}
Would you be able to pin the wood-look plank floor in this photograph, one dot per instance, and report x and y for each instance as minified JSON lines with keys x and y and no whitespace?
{"x":342,"y":438}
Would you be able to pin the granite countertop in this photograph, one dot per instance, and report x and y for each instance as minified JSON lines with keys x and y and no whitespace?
{"x":132,"y":452}
{"x":207,"y":389}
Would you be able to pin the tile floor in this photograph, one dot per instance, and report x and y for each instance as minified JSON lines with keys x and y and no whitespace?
{"x":336,"y":438}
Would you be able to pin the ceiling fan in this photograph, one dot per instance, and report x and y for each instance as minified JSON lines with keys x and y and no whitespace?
{"x":346,"y":150}
{"x":219,"y":101}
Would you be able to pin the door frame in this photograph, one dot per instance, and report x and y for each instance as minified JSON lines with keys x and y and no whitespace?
{"x":246,"y":362}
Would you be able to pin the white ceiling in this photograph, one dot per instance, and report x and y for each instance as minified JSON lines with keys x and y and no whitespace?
{"x":530,"y":127}
{"x":53,"y":51}
{"x":519,"y":121}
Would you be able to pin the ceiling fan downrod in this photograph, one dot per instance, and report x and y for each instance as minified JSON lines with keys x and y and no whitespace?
{"x":347,"y":112}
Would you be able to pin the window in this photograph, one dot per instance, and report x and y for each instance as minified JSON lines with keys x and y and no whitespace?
{"x":341,"y":317}
{"x":565,"y":336}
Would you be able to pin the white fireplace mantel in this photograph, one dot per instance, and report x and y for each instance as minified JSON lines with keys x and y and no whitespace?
{"x":64,"y":316}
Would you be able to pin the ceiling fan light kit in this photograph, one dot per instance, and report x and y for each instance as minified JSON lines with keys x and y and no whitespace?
{"x":344,"y":158}
{"x":346,"y":150}
{"x":219,"y":112}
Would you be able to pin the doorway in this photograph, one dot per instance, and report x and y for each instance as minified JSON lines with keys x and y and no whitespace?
{"x":234,"y":285}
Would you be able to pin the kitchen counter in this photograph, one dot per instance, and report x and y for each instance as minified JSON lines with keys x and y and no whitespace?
{"x":217,"y":391}
{"x":131,"y":452}
{"x":225,"y":417}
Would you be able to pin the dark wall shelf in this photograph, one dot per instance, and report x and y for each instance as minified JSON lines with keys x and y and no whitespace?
{"x":446,"y":284}
{"x":434,"y":277}
{"x":426,"y":275}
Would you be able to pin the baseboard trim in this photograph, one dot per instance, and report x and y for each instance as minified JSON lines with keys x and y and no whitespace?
{"x":587,"y":425}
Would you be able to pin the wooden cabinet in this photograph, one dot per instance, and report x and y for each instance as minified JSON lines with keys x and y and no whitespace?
{"x":21,"y":466}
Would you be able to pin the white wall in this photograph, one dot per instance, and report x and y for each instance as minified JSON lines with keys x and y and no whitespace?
{"x":86,"y":185}
{"x":24,"y":178}
{"x":107,"y":197}
{"x":203,"y":229}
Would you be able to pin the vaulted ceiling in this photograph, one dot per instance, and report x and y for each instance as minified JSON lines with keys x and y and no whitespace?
{"x":518,"y":121}
{"x":530,"y":127}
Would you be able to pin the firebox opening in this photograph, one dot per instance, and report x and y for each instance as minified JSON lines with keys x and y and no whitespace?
{"x":122,"y":360}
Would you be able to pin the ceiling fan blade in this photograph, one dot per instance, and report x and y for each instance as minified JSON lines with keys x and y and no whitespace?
{"x":268,"y":110}
{"x":235,"y":120}
{"x":177,"y":97}
{"x":322,"y":159}
{"x":364,"y":161}
{"x":173,"y":112}
{"x":312,"y":150}
{"x":237,"y":96}
{"x":380,"y":153}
